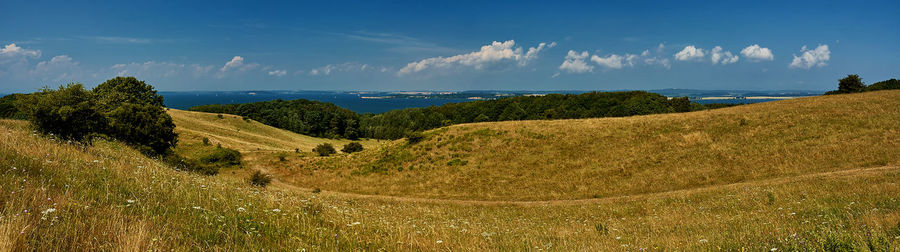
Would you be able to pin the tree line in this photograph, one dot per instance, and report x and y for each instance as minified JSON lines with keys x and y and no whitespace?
{"x":854,"y":84}
{"x":328,"y":120}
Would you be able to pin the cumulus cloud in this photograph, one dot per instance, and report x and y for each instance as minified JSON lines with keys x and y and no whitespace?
{"x":278,"y":73}
{"x":58,"y":68}
{"x":612,"y":61}
{"x":235,"y":62}
{"x":574,"y":63}
{"x":757,"y":53}
{"x":12,"y":51}
{"x":495,"y":54}
{"x":690,"y":53}
{"x":811,"y":58}
{"x":718,"y":55}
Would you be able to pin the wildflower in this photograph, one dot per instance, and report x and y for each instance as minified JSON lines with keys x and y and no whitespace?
{"x":439,"y":241}
{"x":703,"y":241}
{"x":131,"y":201}
{"x":196,"y":207}
{"x":773,"y":249}
{"x":241,"y":209}
{"x":276,"y":210}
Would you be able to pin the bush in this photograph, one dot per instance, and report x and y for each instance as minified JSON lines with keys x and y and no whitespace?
{"x":136,"y":115}
{"x":851,"y":84}
{"x":206,"y":141}
{"x":352,"y":147}
{"x":8,"y":107}
{"x":324,"y":149}
{"x":415,"y":137}
{"x":259,"y":179}
{"x":184,"y":164}
{"x":69,"y":112}
{"x":147,"y":127}
{"x":222,"y":156}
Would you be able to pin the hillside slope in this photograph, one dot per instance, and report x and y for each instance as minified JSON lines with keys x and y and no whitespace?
{"x":57,"y":196}
{"x":243,"y":135}
{"x":586,"y":158}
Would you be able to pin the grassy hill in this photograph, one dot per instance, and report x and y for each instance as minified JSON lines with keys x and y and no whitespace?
{"x":586,"y":158}
{"x":256,"y":141}
{"x":60,"y":196}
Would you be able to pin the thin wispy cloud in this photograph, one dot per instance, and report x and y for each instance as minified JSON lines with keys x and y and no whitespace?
{"x":398,"y":42}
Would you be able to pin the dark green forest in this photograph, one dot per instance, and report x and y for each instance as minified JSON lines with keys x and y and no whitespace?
{"x":306,"y":117}
{"x":328,"y":120}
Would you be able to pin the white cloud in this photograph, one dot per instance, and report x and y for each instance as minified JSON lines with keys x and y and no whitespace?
{"x":346,"y":67}
{"x":11,"y":51}
{"x":574,"y":63}
{"x":658,"y":61}
{"x":235,"y":62}
{"x":811,"y":58}
{"x":690,"y":53}
{"x":58,"y":68}
{"x":495,"y":54}
{"x":757,"y":53}
{"x":612,"y":61}
{"x":278,"y":73}
{"x":721,"y":56}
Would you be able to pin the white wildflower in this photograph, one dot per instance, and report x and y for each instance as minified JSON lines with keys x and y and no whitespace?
{"x":131,"y":201}
{"x":276,"y":210}
{"x":439,"y":241}
{"x":241,"y":209}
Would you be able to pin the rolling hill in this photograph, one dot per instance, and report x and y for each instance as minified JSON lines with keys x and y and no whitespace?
{"x":588,"y":158}
{"x":810,"y":174}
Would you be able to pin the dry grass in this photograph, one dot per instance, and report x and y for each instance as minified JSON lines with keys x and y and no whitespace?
{"x":577,"y":159}
{"x":109,"y":197}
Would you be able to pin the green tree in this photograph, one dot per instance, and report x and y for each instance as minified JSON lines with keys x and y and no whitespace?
{"x":136,"y":115}
{"x":69,"y":112}
{"x":851,"y":84}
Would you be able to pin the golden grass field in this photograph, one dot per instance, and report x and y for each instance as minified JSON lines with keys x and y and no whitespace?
{"x":588,"y":158}
{"x":816,"y":173}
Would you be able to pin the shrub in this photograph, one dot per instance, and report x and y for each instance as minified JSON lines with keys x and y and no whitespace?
{"x":352,"y":147}
{"x":282,"y":156}
{"x":222,"y":156}
{"x":317,"y":190}
{"x":147,"y":127}
{"x":220,"y":116}
{"x":69,"y":112}
{"x":8,"y":107}
{"x":184,"y":164}
{"x":136,"y":115}
{"x":414,"y":137}
{"x":205,"y":141}
{"x":324,"y":149}
{"x":259,"y":179}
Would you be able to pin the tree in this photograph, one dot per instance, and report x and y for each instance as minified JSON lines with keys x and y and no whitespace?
{"x":352,"y":147}
{"x":136,"y":115}
{"x":69,"y":112}
{"x":120,"y":90}
{"x":8,"y":107}
{"x":851,"y":84}
{"x":324,"y":149}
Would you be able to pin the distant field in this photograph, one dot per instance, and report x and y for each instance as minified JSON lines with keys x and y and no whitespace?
{"x":588,"y":158}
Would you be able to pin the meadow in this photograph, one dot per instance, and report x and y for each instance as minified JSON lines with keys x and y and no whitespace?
{"x":806,"y":174}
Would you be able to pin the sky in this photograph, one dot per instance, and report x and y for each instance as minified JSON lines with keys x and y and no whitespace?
{"x":449,"y":45}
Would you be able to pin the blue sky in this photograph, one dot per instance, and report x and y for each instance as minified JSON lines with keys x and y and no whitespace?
{"x":449,"y":45}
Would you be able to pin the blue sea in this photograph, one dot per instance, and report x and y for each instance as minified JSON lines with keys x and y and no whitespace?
{"x":354,"y":100}
{"x":351,"y":101}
